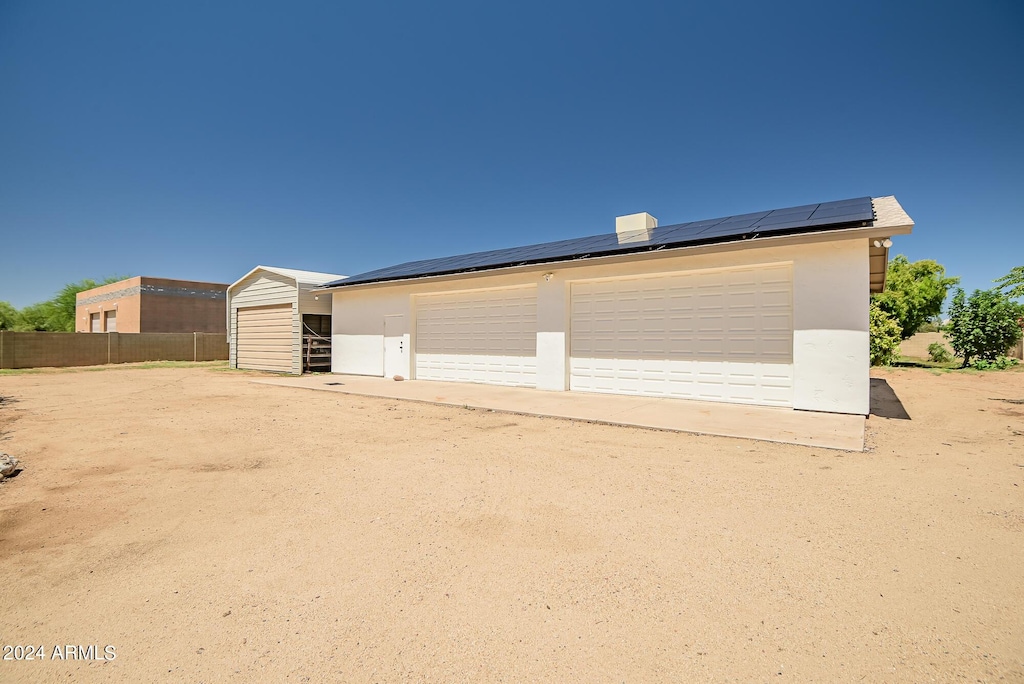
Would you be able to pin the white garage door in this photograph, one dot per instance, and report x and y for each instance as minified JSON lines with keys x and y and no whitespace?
{"x":487,"y":336}
{"x":711,"y":335}
{"x":264,"y":338}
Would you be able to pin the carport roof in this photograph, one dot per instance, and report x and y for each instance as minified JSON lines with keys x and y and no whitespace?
{"x":883,"y":213}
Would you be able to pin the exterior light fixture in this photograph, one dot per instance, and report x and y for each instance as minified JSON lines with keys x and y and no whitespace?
{"x":887,"y":243}
{"x":548,"y":276}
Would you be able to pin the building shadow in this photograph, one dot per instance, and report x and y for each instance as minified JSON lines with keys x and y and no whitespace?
{"x":884,"y":402}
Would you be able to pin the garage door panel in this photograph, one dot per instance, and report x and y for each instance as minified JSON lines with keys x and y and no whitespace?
{"x":718,"y":336}
{"x":774,"y":299}
{"x":263,"y":338}
{"x":481,"y":368}
{"x":264,"y":333}
{"x":488,"y":337}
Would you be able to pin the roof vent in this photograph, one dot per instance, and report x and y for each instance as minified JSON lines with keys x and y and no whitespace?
{"x":635,"y":227}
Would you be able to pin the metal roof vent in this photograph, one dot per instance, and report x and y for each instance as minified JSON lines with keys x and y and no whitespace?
{"x":635,"y":227}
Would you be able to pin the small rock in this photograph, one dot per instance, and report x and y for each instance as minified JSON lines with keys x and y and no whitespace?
{"x":8,"y":464}
{"x":398,"y":378}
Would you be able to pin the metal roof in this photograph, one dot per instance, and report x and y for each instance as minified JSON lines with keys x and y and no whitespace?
{"x":304,"y":277}
{"x":843,"y":214}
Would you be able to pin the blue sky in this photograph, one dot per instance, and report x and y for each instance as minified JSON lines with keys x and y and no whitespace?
{"x":184,"y":139}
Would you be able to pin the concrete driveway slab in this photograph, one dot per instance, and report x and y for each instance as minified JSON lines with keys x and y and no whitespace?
{"x":809,"y":428}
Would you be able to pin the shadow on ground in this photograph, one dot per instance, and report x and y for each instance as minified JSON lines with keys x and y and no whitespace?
{"x":884,"y":402}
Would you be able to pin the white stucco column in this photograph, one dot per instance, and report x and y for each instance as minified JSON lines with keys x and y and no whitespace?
{"x":831,"y":356}
{"x":552,"y":341}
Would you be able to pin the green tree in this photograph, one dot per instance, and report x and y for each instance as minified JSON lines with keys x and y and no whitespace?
{"x":34,"y":317}
{"x":984,"y":325}
{"x":1013,"y":282}
{"x":8,"y":316}
{"x":914,"y":292}
{"x":884,"y":336}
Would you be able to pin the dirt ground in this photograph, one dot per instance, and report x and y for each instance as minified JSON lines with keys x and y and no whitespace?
{"x":212,"y":529}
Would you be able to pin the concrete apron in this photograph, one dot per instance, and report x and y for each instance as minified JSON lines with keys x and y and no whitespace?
{"x":809,"y":428}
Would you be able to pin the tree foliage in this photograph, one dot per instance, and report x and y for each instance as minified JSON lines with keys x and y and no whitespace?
{"x":8,"y":316}
{"x":985,"y":325}
{"x":34,"y":317}
{"x":1013,"y":282}
{"x":884,"y":336}
{"x":914,"y":292}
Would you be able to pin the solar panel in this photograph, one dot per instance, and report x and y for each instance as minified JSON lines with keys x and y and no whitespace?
{"x":807,"y":218}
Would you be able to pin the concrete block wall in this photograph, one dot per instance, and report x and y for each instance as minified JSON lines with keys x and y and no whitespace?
{"x":47,"y":349}
{"x":175,"y":314}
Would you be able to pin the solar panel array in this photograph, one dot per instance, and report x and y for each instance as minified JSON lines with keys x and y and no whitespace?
{"x":789,"y":221}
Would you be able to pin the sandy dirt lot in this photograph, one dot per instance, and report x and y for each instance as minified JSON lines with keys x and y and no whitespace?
{"x":212,"y":529}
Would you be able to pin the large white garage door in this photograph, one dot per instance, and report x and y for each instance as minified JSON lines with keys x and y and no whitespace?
{"x":264,"y":338}
{"x":487,"y":336}
{"x":710,"y":335}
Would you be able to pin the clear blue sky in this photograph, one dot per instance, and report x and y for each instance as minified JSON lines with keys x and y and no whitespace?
{"x":197,"y":139}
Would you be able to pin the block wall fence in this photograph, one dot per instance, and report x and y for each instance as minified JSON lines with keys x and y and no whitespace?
{"x":54,"y":349}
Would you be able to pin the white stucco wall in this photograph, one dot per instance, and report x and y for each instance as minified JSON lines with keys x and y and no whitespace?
{"x":357,"y":323}
{"x":831,"y":355}
{"x":830,"y":313}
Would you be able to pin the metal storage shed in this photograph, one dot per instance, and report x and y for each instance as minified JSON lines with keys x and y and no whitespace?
{"x":276,"y":323}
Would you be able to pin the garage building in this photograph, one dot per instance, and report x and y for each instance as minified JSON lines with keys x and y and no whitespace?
{"x":151,"y":305}
{"x":276,"y":323}
{"x":769,"y":308}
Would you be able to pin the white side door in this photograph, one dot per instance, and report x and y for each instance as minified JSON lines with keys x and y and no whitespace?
{"x":396,"y":347}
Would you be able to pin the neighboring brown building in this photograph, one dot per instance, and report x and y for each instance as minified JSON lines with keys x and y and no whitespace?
{"x":147,"y":305}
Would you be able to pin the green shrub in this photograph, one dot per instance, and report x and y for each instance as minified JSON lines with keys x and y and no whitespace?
{"x":999,"y":363}
{"x":984,"y":325}
{"x":885,"y":337}
{"x":938,"y":353}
